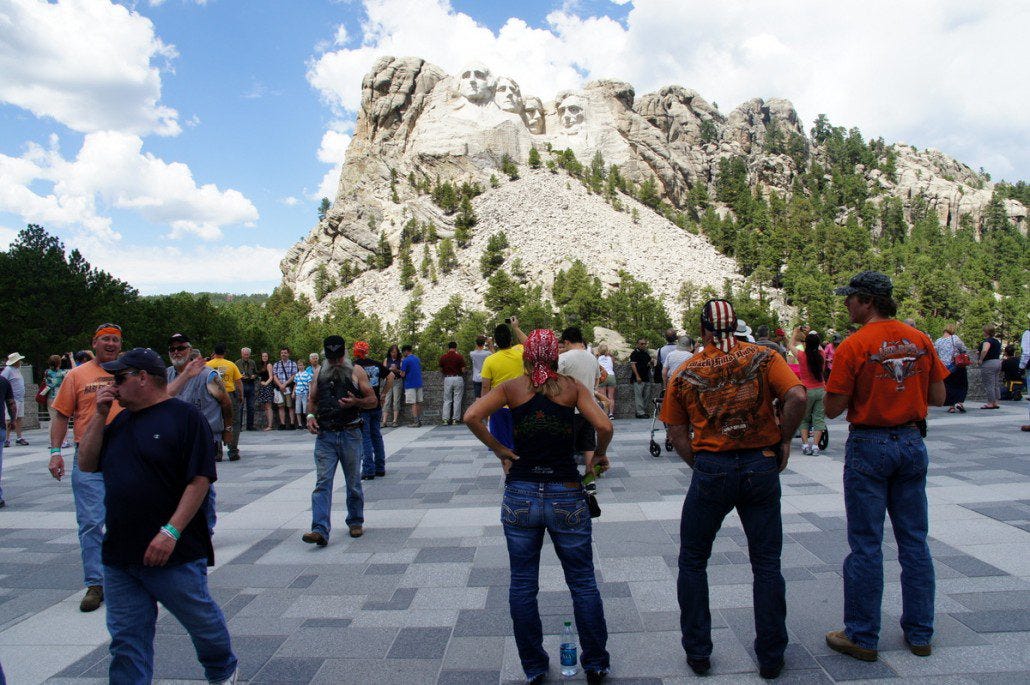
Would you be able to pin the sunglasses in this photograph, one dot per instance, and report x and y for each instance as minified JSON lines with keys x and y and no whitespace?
{"x":119,"y":378}
{"x":179,"y":348}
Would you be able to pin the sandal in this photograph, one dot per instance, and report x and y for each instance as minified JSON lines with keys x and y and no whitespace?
{"x":952,"y":410}
{"x":961,"y":409}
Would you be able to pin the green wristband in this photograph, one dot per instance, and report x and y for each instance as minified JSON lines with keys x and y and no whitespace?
{"x":55,"y":450}
{"x":311,"y":416}
{"x":171,"y":531}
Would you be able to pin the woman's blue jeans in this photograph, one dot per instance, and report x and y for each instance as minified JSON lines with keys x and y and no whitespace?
{"x":528,"y":509}
{"x":750,"y":482}
{"x":332,"y":448}
{"x":373,"y":463}
{"x":885,"y":472}
{"x":131,"y":594}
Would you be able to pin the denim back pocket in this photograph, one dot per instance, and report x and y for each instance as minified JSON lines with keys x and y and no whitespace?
{"x":867,"y":454}
{"x":708,"y":480}
{"x":761,"y":479}
{"x":570,"y":514}
{"x":515,"y":511}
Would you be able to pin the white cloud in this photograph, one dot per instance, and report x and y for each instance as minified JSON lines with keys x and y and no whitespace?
{"x":7,"y":236}
{"x":290,"y":201}
{"x":332,"y":151}
{"x":88,"y":64}
{"x":933,"y":74}
{"x":167,"y":269}
{"x":111,"y":170}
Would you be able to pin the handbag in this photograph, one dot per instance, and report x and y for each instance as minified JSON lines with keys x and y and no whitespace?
{"x":41,"y":396}
{"x":961,"y":359}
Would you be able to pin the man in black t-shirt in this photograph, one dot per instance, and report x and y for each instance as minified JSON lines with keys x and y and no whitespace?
{"x":640,"y":363}
{"x":158,"y":461}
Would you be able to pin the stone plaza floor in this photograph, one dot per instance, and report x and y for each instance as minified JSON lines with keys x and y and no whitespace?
{"x":422,"y":597}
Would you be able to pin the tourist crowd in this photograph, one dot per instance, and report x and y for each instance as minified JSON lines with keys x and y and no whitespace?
{"x":147,"y":433}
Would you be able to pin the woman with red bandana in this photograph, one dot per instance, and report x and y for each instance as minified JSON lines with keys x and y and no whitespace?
{"x":543,"y":491}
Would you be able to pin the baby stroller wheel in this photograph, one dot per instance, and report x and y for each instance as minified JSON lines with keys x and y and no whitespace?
{"x":654,"y":449}
{"x":668,"y":445}
{"x":824,"y":439}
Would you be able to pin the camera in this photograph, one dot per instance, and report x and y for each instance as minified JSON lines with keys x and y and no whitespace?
{"x":508,"y":321}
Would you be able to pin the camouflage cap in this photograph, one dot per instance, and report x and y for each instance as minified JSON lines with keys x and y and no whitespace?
{"x":868,"y":283}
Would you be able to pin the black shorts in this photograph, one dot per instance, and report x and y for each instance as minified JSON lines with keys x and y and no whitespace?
{"x":584,"y":439}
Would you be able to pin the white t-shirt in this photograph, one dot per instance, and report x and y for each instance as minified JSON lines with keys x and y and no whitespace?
{"x":478,"y":357}
{"x":581,"y":365}
{"x":605,"y":360}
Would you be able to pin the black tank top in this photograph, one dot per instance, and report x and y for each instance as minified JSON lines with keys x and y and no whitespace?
{"x":332,"y":417}
{"x":543,"y":442}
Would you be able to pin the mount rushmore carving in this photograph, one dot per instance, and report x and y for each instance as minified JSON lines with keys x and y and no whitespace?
{"x":418,"y":122}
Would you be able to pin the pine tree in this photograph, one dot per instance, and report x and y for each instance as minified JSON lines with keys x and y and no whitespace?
{"x":427,"y":261}
{"x":509,"y":168}
{"x":323,"y":208}
{"x":407,"y":268}
{"x":534,"y":158}
{"x":445,"y":255}
{"x":384,"y":254}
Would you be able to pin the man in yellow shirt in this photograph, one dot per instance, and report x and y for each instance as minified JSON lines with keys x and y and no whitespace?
{"x":232,"y":380}
{"x":502,"y":365}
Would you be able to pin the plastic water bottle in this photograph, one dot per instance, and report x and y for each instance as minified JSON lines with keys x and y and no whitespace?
{"x":568,"y":651}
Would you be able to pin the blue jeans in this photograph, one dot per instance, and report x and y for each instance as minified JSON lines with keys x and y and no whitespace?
{"x":373,"y":462}
{"x":750,"y":482}
{"x":88,"y":490}
{"x":528,"y":509}
{"x":332,"y":448}
{"x":885,"y":471}
{"x":502,"y":427}
{"x":132,"y":593}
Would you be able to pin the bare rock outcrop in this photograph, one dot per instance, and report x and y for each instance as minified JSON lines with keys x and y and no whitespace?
{"x":419,"y":126}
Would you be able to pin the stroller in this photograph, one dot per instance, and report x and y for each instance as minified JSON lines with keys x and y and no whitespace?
{"x":653,"y":447}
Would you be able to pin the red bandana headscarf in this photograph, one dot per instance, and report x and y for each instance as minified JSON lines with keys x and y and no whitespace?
{"x":718,"y":317}
{"x":541,"y":350}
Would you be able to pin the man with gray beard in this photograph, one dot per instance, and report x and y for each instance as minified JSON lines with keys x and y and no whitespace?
{"x":336,"y":396}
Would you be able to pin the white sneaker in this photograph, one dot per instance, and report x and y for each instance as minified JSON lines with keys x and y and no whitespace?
{"x":806,"y":449}
{"x":815,"y":452}
{"x":231,"y":680}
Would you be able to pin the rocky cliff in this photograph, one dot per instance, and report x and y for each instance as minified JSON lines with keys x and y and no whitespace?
{"x":419,"y":127}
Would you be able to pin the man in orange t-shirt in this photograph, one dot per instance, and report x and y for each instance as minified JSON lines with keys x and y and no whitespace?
{"x":885,"y":375}
{"x":77,"y":399}
{"x":725,"y":394}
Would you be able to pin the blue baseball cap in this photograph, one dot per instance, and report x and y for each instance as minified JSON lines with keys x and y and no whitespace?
{"x":141,"y":358}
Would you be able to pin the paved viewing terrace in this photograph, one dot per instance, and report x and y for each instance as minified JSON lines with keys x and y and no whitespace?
{"x":422,"y":597}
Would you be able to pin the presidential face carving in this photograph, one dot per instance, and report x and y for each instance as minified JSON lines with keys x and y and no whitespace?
{"x":475,"y":84}
{"x":533,"y":112}
{"x":571,"y":113}
{"x":507,"y":95}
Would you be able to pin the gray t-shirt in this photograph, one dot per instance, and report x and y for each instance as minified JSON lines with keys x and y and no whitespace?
{"x":195,"y":392}
{"x":17,"y":381}
{"x":478,"y":357}
{"x":675,"y":358}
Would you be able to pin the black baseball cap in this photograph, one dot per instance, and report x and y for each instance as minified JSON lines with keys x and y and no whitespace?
{"x":868,"y":283}
{"x":178,"y":338}
{"x":335,"y":347}
{"x":141,"y":358}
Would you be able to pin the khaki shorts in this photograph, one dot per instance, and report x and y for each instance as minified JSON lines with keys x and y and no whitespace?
{"x":281,"y":398}
{"x":19,"y":406}
{"x":412,"y":395}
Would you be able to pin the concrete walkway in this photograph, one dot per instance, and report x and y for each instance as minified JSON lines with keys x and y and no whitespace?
{"x":422,"y":597}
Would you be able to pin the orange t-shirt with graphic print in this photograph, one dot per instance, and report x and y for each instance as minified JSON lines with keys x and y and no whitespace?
{"x":886,"y":367}
{"x":77,"y":397}
{"x":727,"y":397}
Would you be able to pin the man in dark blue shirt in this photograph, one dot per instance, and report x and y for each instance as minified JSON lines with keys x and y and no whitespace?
{"x":157,"y":459}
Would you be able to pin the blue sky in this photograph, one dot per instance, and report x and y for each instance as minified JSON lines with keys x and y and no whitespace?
{"x":184,"y":144}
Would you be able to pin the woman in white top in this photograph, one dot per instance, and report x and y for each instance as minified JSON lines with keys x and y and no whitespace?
{"x":607,"y":386}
